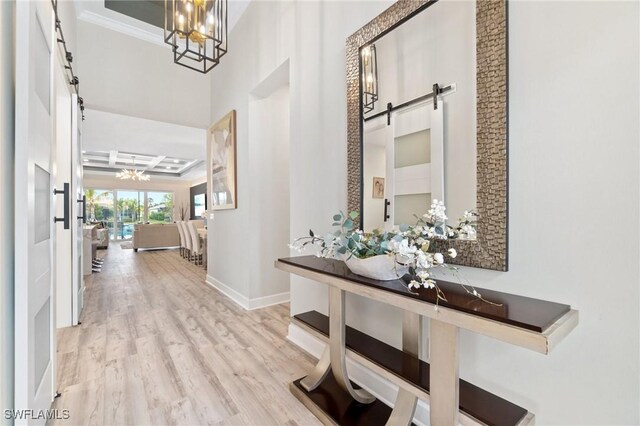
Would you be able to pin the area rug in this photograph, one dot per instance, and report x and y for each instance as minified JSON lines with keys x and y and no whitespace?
{"x":126,"y":245}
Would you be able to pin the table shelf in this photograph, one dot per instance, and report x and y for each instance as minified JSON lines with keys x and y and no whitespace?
{"x":526,"y":322}
{"x":477,"y":404}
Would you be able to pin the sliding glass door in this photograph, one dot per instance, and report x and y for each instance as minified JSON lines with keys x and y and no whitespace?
{"x":129,"y":212}
{"x":121,"y":209}
{"x":101,"y":208}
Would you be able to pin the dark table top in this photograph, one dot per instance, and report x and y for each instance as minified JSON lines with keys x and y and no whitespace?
{"x":520,"y":311}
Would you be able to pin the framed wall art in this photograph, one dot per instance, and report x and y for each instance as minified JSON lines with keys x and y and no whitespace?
{"x":221,"y":163}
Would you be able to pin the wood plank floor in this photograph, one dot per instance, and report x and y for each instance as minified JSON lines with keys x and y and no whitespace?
{"x":159,"y":346}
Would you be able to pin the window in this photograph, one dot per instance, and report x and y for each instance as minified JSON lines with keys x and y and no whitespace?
{"x":100,"y":207}
{"x":122,"y":209}
{"x":160,"y":207}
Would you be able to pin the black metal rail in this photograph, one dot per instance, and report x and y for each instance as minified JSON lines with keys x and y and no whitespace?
{"x":390,"y":108}
{"x":74,"y":80}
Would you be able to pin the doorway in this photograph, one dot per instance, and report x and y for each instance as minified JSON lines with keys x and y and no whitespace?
{"x":269,"y":164}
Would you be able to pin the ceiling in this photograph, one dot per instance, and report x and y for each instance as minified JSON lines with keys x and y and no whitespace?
{"x":143,"y":19}
{"x":114,"y":161}
{"x":150,"y":141}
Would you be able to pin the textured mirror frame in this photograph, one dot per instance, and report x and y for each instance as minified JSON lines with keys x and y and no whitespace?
{"x":490,"y":249}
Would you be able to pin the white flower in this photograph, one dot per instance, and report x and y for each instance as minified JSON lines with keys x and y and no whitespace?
{"x":414,"y":284}
{"x":439,"y":258}
{"x":406,"y":250}
{"x":424,"y":261}
{"x":469,"y":231}
{"x":453,"y":253}
{"x":423,"y":275}
{"x":429,"y":284}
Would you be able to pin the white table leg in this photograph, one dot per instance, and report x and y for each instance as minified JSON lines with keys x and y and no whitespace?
{"x":319,"y":372}
{"x":337,"y":340}
{"x":444,"y":382}
{"x":406,"y":402}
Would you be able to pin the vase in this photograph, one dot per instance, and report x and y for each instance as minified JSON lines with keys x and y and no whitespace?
{"x":382,"y":267}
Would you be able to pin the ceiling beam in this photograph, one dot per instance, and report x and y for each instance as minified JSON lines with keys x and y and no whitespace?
{"x":113,"y":156}
{"x":155,"y":162}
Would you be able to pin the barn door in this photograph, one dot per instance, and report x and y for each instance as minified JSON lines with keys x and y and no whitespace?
{"x":35,"y":204}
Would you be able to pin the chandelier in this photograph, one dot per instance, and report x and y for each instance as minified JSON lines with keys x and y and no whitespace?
{"x":197,"y":32}
{"x":132,"y":174}
{"x":369,"y":67}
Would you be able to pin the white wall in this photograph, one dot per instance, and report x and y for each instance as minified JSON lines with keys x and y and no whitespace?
{"x":573,"y":180}
{"x":375,"y":165}
{"x":125,"y":75}
{"x":259,"y":45}
{"x":6,"y":206}
{"x":269,"y":192}
{"x":179,"y":188}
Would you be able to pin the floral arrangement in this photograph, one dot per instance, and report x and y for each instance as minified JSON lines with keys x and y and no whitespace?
{"x":409,"y":246}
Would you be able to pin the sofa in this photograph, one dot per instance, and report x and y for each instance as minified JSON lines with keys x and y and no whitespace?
{"x":155,"y":236}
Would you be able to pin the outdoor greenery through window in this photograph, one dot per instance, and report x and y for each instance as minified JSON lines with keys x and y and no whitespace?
{"x":160,"y":207}
{"x":120,"y":210}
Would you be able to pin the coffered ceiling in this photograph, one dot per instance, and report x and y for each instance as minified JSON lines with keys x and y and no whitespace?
{"x":112,"y":140}
{"x":114,"y":161}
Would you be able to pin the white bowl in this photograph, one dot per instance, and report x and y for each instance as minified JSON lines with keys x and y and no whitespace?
{"x":381,"y":267}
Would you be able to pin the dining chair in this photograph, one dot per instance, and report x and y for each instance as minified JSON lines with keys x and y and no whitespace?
{"x":198,"y":222}
{"x":182,"y":238}
{"x":187,"y":240}
{"x":196,"y":246}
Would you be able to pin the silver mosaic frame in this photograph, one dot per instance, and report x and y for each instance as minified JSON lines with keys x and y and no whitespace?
{"x":490,"y":249}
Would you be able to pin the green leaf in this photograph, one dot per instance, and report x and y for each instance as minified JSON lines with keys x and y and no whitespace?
{"x":336,"y":224}
{"x":353,"y":215}
{"x":342,"y":250}
{"x":404,"y":228}
{"x":348,"y":224}
{"x":311,"y":234}
{"x":337,"y":217}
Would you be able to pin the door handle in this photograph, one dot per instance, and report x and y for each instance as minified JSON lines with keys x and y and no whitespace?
{"x":83,"y":200}
{"x":64,"y":192}
{"x":387,"y":203}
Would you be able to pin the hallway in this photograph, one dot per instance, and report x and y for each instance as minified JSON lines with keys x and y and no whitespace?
{"x":158,"y":346}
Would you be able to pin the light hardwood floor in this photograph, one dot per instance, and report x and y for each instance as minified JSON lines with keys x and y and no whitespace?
{"x":159,"y":346}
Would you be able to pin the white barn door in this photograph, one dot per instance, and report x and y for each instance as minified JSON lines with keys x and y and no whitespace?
{"x":415,"y":162}
{"x":35,"y":205}
{"x":79,"y":209}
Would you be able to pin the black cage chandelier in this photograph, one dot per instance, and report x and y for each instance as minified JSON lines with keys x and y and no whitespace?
{"x":197,"y":32}
{"x":369,"y":68}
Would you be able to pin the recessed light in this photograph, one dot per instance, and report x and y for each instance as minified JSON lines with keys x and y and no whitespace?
{"x":168,"y":168}
{"x":86,"y":159}
{"x":176,"y":161}
{"x":84,"y":152}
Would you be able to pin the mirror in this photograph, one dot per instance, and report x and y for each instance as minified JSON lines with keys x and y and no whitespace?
{"x":419,"y":151}
{"x":427,"y":117}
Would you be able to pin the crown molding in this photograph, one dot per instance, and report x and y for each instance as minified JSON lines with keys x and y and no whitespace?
{"x":124,"y":28}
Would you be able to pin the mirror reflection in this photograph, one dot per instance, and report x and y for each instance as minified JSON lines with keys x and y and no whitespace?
{"x":417,"y":147}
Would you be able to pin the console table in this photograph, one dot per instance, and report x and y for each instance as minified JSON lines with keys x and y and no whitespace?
{"x":327,"y":391}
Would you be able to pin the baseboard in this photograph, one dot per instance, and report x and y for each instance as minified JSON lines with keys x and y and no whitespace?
{"x":243,"y":301}
{"x":381,"y":388}
{"x":264,"y":301}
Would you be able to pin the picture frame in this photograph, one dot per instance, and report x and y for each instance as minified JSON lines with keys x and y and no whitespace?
{"x":378,"y":187}
{"x":222,"y":164}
